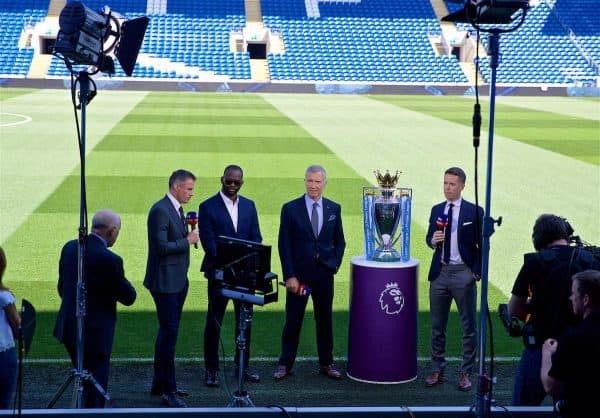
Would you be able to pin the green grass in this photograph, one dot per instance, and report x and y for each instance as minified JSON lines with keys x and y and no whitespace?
{"x":544,"y":161}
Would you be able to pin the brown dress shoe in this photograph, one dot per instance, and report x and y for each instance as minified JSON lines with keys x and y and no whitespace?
{"x":330,"y":372}
{"x":464,"y":383}
{"x":434,"y":378}
{"x":281,"y":373}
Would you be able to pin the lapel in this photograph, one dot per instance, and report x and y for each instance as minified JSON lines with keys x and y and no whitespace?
{"x":175,"y":216}
{"x":304,"y":216}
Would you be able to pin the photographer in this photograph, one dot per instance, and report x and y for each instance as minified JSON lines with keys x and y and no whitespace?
{"x":540,"y":296}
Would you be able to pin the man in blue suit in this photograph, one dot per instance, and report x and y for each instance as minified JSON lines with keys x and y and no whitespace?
{"x":232,"y":215}
{"x":311,"y":247}
{"x":106,"y":285}
{"x":166,"y":278}
{"x":455,"y":235}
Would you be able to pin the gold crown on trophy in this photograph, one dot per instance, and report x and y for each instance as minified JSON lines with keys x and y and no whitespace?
{"x":387,"y":181}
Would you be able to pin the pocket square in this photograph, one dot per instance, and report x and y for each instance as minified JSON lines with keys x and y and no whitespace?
{"x":467,"y":223}
{"x":331,"y":218}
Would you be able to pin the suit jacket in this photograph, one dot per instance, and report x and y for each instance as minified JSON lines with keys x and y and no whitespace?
{"x":168,"y":249}
{"x":469,"y":244}
{"x":214,"y":220}
{"x":105,"y":284}
{"x":299,"y":250}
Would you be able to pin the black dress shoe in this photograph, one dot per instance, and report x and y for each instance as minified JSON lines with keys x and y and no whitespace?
{"x":173,"y":401}
{"x":211,"y":378}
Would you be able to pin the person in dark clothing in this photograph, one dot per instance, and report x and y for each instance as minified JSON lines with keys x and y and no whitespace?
{"x":229,"y":214}
{"x":570,"y":366}
{"x":540,"y":296}
{"x":105,"y":286}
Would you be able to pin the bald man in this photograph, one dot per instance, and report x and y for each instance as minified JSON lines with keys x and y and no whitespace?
{"x":105,"y":286}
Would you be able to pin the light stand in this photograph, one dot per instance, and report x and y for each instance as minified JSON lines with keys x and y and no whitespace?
{"x":241,"y":399}
{"x":79,"y":375}
{"x":477,"y":12}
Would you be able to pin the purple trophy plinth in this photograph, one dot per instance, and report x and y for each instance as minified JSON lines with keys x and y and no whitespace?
{"x":382,"y":335}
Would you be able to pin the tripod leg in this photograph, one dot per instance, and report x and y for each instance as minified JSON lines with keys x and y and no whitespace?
{"x":61,"y":391}
{"x":91,"y":379}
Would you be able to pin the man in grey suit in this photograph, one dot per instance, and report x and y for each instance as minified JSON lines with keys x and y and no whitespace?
{"x":166,"y":277}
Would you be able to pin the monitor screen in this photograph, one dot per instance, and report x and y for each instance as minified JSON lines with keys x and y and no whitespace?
{"x":244,"y":263}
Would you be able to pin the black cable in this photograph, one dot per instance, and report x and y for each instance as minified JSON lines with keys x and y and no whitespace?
{"x":283,"y":410}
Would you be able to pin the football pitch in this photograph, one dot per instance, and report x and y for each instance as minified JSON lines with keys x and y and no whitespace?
{"x":546,"y":159}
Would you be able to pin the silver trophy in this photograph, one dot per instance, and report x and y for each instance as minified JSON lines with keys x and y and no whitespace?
{"x":386,"y":216}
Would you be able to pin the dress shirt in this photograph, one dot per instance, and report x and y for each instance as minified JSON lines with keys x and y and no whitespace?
{"x":232,"y":208}
{"x":309,"y":208}
{"x":454,"y":253}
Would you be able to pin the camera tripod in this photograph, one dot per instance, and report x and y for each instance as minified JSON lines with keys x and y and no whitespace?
{"x":240,"y":398}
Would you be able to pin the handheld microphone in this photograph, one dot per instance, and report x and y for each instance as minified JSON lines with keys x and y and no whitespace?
{"x":442,"y":223}
{"x":303,"y":290}
{"x":192,"y":221}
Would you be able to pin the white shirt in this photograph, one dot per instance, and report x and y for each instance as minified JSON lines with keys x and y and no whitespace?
{"x":174,"y":201}
{"x":232,"y":208}
{"x":7,"y":341}
{"x":454,"y":253}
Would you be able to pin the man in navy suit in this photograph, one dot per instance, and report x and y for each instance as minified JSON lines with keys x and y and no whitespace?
{"x":311,"y":247}
{"x":455,"y":267}
{"x":166,"y":277}
{"x":106,"y":285}
{"x":232,"y":215}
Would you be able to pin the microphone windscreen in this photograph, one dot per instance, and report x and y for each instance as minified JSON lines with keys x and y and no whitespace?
{"x":442,"y":220}
{"x":192,"y":218}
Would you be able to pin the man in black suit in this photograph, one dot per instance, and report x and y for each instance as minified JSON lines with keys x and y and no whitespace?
{"x":166,"y":277}
{"x":455,"y":267}
{"x":106,"y":285}
{"x":311,"y":247}
{"x":229,"y":214}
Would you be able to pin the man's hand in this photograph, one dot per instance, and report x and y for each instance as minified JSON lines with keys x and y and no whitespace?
{"x":550,"y":346}
{"x":193,"y":236}
{"x":437,"y":238}
{"x":292,"y":284}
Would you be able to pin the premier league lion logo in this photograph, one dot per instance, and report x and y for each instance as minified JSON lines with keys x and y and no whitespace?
{"x":391,"y":299}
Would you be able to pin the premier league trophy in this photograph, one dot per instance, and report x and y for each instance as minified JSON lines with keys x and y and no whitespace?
{"x":386,"y":212}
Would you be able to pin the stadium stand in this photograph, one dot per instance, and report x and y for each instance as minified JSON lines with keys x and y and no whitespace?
{"x":542,"y":50}
{"x":354,"y":41}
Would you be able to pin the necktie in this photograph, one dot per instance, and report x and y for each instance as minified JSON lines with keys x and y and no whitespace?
{"x":314,"y":219}
{"x":447,"y":235}
{"x":182,"y":216}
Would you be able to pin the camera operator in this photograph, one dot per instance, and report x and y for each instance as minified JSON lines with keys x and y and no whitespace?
{"x":540,"y":296}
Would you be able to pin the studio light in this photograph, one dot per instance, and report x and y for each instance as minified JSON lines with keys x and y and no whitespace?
{"x":487,"y":11}
{"x":87,"y":37}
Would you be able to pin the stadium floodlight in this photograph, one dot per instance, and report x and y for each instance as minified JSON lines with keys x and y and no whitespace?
{"x":87,"y":37}
{"x":487,"y":11}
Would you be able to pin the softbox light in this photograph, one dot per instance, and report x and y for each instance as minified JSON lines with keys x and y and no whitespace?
{"x":487,"y":11}
{"x":83,"y":36}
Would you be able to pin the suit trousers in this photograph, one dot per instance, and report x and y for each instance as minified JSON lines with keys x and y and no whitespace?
{"x":455,"y":282}
{"x":98,"y":365}
{"x":217,"y":306}
{"x":168,"y":309}
{"x":295,"y":307}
